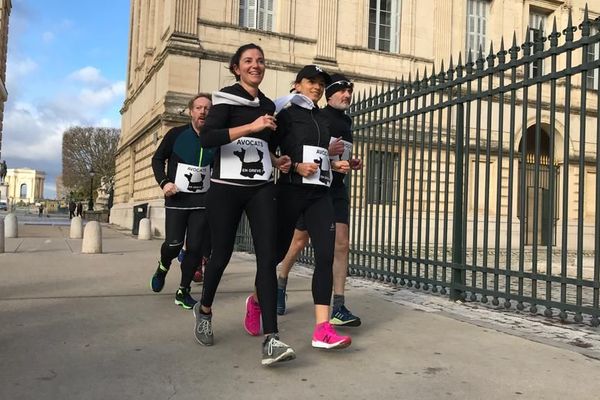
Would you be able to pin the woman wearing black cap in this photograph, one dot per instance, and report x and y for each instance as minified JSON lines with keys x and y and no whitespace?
{"x":339,"y":97}
{"x":241,"y":126}
{"x":303,"y":133}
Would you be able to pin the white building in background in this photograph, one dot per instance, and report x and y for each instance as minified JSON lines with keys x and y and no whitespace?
{"x":25,"y":185}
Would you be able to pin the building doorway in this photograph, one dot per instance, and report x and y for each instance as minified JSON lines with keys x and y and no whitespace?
{"x":538,"y":201}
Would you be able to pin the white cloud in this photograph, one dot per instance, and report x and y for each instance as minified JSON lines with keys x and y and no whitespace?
{"x":19,"y":68}
{"x":102,"y":96}
{"x":88,"y":74}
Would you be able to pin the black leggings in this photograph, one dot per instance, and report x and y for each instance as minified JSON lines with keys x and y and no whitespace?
{"x":225,"y":204}
{"x":315,"y":206}
{"x":177,"y":223}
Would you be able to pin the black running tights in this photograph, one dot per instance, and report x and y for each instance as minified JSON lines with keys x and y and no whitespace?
{"x":315,"y":206}
{"x":177,"y":223}
{"x":225,"y":204}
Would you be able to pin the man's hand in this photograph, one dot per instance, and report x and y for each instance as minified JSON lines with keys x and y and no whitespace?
{"x":356,"y":163}
{"x":341,"y":166}
{"x":169,"y":189}
{"x":306,"y":169}
{"x":283,"y":164}
{"x":336,"y":147}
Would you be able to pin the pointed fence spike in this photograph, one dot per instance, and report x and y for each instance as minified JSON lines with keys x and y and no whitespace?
{"x":502,"y":53}
{"x":554,"y":35}
{"x":568,"y":32}
{"x":514,"y":49}
{"x":585,"y":25}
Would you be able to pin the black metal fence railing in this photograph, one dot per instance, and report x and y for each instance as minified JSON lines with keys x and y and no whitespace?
{"x":482,"y":180}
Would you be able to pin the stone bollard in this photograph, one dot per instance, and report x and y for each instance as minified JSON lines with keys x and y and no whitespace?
{"x":10,"y":226}
{"x":92,"y":238}
{"x":76,"y":228}
{"x":2,"y":236}
{"x":145,"y":229}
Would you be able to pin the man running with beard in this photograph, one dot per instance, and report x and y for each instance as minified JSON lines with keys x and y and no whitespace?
{"x":184,"y":185}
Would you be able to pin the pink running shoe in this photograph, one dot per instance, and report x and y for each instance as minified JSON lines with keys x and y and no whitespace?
{"x":252,"y":318}
{"x":325,"y":337}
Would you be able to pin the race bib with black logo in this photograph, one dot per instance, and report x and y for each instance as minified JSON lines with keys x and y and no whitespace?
{"x":246,"y":158}
{"x":192,"y":179}
{"x":346,"y":154}
{"x":320,"y":156}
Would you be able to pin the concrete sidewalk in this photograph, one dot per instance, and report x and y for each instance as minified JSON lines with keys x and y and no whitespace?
{"x":77,"y":326}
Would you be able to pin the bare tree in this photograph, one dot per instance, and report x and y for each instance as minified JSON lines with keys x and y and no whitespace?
{"x":85,"y":149}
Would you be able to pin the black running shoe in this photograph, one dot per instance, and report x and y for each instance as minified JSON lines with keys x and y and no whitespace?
{"x":184,"y":299}
{"x":343,"y":317}
{"x":158,"y":279}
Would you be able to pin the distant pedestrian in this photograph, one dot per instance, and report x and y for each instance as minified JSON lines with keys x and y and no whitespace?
{"x":72,"y":208}
{"x":40,"y":210}
{"x":79,"y":209}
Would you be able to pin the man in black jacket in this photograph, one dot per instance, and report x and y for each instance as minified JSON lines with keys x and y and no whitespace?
{"x":184,"y":185}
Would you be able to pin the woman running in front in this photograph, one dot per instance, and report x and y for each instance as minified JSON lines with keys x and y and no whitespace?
{"x":242,"y":127}
{"x":303,"y":133}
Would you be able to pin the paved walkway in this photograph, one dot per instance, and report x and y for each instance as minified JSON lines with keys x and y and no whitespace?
{"x":76,"y":326}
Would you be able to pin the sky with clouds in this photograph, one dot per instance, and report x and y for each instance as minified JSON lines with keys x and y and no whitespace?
{"x":66,"y":66}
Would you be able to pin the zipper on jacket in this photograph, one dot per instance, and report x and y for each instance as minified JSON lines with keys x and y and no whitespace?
{"x":318,"y":129}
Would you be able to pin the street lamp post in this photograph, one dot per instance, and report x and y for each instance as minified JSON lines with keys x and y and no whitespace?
{"x":91,"y":202}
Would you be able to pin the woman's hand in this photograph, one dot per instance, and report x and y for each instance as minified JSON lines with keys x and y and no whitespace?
{"x":341,"y":166}
{"x":169,"y":189}
{"x":283,"y":164}
{"x":263,"y":122}
{"x":306,"y":169}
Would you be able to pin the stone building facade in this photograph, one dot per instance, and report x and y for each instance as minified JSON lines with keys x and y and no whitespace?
{"x":25,"y":185}
{"x":180,"y":47}
{"x":5,"y":7}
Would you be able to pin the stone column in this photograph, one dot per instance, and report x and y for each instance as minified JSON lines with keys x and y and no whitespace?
{"x":442,"y":39}
{"x":186,"y":16}
{"x":327,"y":30}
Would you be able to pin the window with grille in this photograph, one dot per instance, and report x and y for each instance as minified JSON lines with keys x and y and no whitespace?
{"x":537,"y":24}
{"x":382,"y":177}
{"x":257,"y":14}
{"x":384,"y":23}
{"x":593,"y":54}
{"x":477,"y":14}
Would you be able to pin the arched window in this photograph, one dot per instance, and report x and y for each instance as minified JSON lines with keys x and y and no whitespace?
{"x":23,"y":191}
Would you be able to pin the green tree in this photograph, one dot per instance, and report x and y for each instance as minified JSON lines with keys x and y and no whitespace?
{"x":85,"y":149}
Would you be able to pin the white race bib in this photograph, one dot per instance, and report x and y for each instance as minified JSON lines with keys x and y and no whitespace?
{"x":346,"y":154}
{"x":192,"y":178}
{"x":247,"y":159}
{"x":319,"y":155}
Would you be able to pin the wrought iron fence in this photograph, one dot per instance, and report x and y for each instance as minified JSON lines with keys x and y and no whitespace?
{"x":482,"y":179}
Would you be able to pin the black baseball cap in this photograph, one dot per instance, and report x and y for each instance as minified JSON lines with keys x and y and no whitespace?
{"x":310,"y":71}
{"x":338,"y":82}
